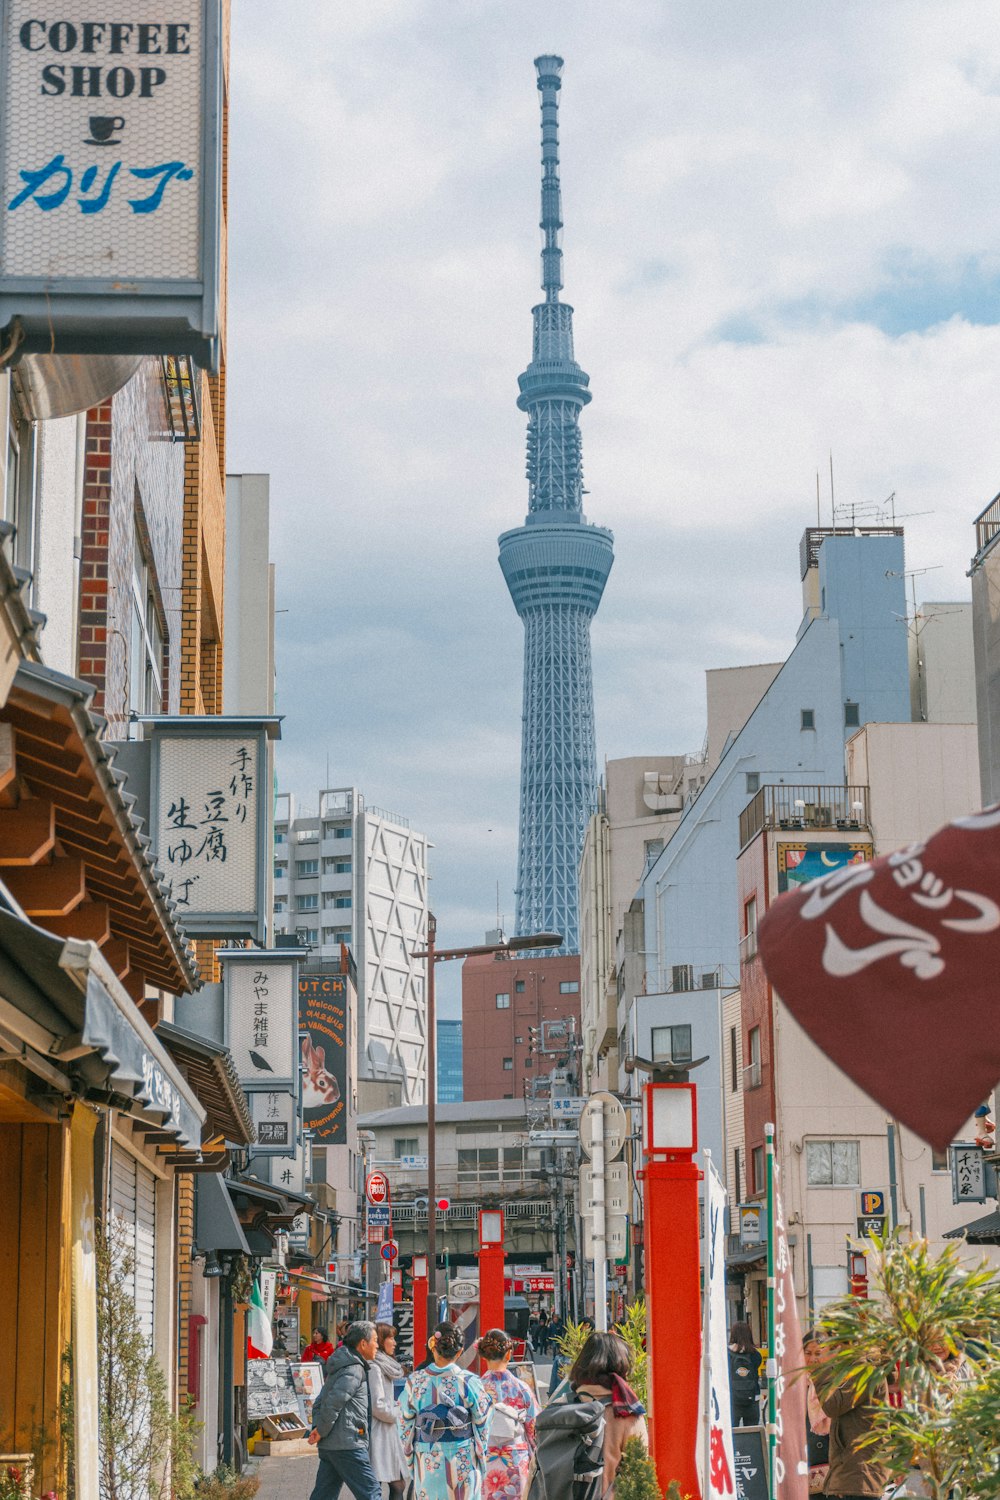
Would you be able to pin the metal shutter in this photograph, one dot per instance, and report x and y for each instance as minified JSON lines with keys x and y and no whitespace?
{"x":133,"y":1201}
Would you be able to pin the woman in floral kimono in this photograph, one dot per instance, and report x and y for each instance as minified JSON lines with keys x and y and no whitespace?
{"x":444,"y":1421}
{"x":512,"y":1434}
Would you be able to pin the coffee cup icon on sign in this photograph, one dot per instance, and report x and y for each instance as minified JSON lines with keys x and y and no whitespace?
{"x":102,"y":129}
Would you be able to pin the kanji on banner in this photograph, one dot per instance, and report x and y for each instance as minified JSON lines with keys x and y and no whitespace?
{"x":890,"y":968}
{"x":716,"y":1460}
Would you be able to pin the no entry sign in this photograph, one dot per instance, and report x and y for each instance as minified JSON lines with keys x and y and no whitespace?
{"x":377,"y":1188}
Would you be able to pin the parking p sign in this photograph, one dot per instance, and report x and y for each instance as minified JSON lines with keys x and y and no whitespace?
{"x":873,"y":1204}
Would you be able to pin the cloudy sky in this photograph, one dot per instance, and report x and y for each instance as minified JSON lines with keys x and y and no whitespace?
{"x":782,"y":238}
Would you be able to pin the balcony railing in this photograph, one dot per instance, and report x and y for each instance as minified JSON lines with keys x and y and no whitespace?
{"x":752,"y":1076}
{"x":458,"y":1212}
{"x":988,"y":526}
{"x":804,"y":807}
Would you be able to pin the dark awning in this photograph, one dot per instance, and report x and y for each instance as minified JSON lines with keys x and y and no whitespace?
{"x":63,"y":1011}
{"x":279,"y":1204}
{"x":740,"y":1259}
{"x":216,"y":1226}
{"x":984,"y":1231}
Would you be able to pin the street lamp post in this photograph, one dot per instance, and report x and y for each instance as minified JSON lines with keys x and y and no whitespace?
{"x":435,"y":955}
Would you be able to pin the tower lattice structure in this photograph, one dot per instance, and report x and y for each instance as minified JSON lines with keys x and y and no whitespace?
{"x":555,"y":566}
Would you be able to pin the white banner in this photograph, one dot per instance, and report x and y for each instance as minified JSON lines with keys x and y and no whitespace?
{"x":716,"y":1462}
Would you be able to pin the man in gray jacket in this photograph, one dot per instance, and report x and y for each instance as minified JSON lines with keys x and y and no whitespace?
{"x":342,"y":1419}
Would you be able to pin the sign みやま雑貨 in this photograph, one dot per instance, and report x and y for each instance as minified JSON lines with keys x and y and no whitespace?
{"x":323,"y":1001}
{"x":111,"y":173}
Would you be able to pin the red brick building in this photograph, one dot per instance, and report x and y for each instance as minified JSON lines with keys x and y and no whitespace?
{"x":505,"y":999}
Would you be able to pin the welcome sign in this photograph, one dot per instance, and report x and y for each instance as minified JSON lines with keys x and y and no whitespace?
{"x":110,"y":172}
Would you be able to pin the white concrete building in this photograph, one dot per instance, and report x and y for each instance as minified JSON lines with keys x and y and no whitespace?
{"x":357,"y":875}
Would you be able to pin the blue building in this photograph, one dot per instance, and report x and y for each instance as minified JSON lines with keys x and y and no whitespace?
{"x":555,"y":566}
{"x":449,"y":1062}
{"x":848,"y":667}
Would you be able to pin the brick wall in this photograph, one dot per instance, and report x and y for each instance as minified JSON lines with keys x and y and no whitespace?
{"x":132,"y":474}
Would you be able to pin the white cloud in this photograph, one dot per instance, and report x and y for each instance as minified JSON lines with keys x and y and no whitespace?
{"x":781,"y":238}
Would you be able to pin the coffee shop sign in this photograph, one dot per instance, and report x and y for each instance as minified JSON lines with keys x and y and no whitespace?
{"x":111,"y":170}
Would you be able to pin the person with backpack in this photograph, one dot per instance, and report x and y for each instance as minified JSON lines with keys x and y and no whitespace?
{"x":580,"y":1437}
{"x":512,"y":1430}
{"x":444,"y":1421}
{"x":744,"y":1376}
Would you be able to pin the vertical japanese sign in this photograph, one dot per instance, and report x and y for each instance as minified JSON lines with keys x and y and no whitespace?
{"x":786,"y":1393}
{"x":323,"y":1029}
{"x":717,"y":1463}
{"x":260,"y":1008}
{"x":273,"y":1113}
{"x":110,"y":172}
{"x":209,"y":821}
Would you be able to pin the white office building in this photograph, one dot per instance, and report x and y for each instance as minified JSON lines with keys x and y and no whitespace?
{"x":355,"y":874}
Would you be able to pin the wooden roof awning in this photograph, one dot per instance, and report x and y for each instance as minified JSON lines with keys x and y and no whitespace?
{"x":71,"y":851}
{"x":210,"y":1071}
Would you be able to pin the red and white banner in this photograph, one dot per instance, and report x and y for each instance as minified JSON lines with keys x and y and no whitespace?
{"x":716,"y":1462}
{"x":891,"y":969}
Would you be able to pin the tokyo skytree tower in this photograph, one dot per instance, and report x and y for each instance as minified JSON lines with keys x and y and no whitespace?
{"x":555,"y":566}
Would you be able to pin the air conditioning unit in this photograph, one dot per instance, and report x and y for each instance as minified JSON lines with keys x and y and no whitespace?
{"x":682,"y":977}
{"x":710,"y":979}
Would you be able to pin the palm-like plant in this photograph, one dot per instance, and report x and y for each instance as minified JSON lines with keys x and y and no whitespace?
{"x":931,"y":1331}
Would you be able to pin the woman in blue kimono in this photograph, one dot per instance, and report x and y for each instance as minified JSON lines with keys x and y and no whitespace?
{"x":444,"y":1421}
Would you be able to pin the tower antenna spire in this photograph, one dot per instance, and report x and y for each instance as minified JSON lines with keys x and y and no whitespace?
{"x":549,"y":69}
{"x":556,"y":566}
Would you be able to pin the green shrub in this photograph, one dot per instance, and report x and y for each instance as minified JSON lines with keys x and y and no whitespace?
{"x":636,"y":1478}
{"x":226,"y":1484}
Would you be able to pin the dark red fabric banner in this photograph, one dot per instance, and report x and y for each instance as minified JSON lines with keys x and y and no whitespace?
{"x":893,"y":969}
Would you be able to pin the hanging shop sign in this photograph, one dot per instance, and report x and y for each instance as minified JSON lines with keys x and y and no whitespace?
{"x":209,"y":820}
{"x":273,"y":1114}
{"x":260,"y":989}
{"x":323,"y":1001}
{"x":111,"y":177}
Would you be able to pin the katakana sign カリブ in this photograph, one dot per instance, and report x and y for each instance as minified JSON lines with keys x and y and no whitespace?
{"x":110,"y":172}
{"x":209,"y":790}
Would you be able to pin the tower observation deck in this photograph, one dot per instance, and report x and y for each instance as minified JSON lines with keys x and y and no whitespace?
{"x":555,"y":566}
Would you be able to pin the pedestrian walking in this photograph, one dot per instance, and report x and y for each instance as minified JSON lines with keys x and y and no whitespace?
{"x":581,"y":1435}
{"x":388,"y":1459}
{"x":817,"y":1421}
{"x":445,"y":1423}
{"x":512,"y":1428}
{"x":543,"y":1331}
{"x":744,"y":1376}
{"x":342,"y":1419}
{"x":855,"y":1473}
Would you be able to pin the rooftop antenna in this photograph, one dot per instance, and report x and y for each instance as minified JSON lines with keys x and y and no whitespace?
{"x":833,"y":518}
{"x":817,"y":498}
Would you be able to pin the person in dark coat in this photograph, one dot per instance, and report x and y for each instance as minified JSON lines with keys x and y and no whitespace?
{"x":744,"y":1376}
{"x":342,"y":1419}
{"x":854,"y":1472}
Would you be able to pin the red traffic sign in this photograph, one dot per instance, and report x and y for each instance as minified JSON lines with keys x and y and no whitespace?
{"x":390,"y":1250}
{"x":377,"y":1188}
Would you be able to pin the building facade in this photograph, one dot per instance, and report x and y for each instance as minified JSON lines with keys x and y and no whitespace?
{"x":555,"y":566}
{"x":357,"y":875}
{"x":520,"y":1026}
{"x":449,"y":1062}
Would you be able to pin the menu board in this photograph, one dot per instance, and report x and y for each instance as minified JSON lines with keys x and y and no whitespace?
{"x":271,"y":1389}
{"x":308,"y":1381}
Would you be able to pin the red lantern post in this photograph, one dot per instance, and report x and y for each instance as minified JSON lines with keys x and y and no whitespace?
{"x":673,"y":1287}
{"x":491,"y":1258}
{"x":420,"y":1329}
